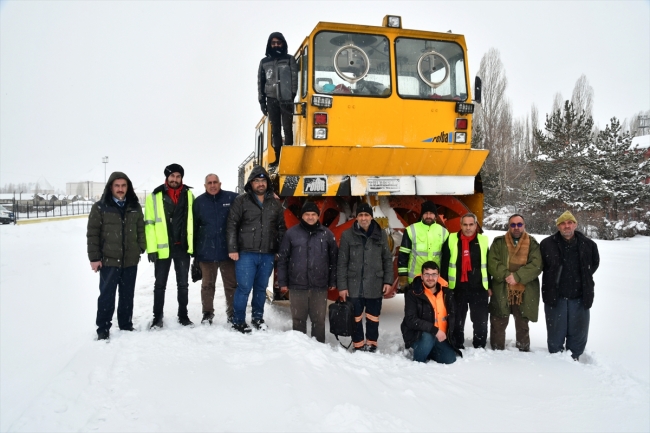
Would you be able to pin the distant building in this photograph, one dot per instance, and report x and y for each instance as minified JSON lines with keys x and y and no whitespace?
{"x":90,"y":189}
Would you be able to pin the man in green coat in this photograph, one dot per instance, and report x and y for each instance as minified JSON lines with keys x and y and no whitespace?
{"x":115,"y":239}
{"x":515,"y":262}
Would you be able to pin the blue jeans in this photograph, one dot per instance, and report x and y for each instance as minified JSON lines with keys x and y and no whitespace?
{"x":568,"y":320}
{"x":428,"y":347}
{"x":253,"y":271}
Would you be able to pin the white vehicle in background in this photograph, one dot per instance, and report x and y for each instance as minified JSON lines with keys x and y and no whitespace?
{"x":6,"y":215}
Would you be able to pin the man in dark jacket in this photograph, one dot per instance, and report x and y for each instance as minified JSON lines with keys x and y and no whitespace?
{"x":115,"y":238}
{"x":307,"y":267}
{"x":570,"y":260}
{"x":210,"y":247}
{"x":273,"y":67}
{"x":464,"y":267}
{"x":365,"y":274}
{"x":169,"y":229}
{"x":428,"y":324}
{"x":255,"y":230}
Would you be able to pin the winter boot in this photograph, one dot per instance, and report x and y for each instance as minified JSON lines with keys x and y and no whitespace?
{"x":103,"y":335}
{"x":371,"y":348}
{"x":242,"y":327}
{"x":259,"y":324}
{"x":207,"y":318}
{"x":157,"y":323}
{"x":185,"y":321}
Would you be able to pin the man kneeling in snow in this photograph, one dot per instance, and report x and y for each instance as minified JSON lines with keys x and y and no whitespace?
{"x":429,"y":318}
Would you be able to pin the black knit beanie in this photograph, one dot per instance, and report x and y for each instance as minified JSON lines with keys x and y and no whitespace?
{"x":174,"y":168}
{"x":310,"y":206}
{"x":364,"y":207}
{"x":428,"y":206}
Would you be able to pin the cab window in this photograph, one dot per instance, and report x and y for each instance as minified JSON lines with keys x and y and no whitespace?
{"x":430,"y":69}
{"x":351,"y":64}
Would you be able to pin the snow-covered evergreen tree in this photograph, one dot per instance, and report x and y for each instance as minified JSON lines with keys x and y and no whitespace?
{"x":560,"y":162}
{"x":620,"y":170}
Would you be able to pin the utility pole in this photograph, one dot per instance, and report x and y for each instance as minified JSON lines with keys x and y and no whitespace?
{"x":105,"y":161}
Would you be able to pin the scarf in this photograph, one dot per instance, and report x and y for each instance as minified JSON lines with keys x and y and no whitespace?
{"x":174,"y":194}
{"x":466,"y":263}
{"x":517,"y":257}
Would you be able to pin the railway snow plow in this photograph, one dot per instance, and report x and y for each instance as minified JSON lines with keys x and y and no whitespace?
{"x":383,"y":115}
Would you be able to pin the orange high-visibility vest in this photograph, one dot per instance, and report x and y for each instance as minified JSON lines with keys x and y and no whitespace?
{"x":439,"y":310}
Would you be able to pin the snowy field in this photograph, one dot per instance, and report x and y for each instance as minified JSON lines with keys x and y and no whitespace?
{"x":54,"y":376}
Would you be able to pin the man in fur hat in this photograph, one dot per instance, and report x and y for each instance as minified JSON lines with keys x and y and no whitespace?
{"x":514,"y":262}
{"x":570,"y":261}
{"x":307,"y":267}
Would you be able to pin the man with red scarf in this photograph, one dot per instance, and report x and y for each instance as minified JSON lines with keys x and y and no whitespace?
{"x":169,"y":230}
{"x":464,"y":267}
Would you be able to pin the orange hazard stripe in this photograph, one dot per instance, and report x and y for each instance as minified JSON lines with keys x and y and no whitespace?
{"x":372,"y":343}
{"x":371,"y":317}
{"x":359,"y":344}
{"x":358,"y":318}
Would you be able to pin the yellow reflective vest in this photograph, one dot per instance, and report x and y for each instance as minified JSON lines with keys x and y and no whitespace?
{"x":155,"y":225}
{"x":453,"y":259}
{"x":426,"y":245}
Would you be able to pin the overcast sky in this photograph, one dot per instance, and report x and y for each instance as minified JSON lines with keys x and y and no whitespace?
{"x":149,"y":83}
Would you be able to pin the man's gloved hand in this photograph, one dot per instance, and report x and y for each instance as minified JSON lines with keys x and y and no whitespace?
{"x":403,"y":283}
{"x":263,"y":108}
{"x":152,"y":257}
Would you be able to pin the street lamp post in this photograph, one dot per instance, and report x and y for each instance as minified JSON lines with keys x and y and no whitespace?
{"x":105,"y":161}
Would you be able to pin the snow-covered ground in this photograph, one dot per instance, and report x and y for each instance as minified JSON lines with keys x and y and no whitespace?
{"x":55,"y":377}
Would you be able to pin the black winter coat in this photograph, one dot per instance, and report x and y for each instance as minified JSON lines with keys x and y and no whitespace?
{"x":553,"y":263}
{"x":365,"y":263}
{"x":115,"y":235}
{"x":176,"y":216}
{"x":419,"y":316}
{"x":474,"y":277}
{"x":210,"y":220}
{"x":267,"y":73}
{"x":307,"y":260}
{"x":252,"y":227}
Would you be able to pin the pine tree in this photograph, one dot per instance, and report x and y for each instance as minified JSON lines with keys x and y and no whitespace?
{"x":560,"y":161}
{"x":620,"y":170}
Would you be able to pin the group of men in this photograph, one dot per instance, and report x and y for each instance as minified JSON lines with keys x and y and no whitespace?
{"x":444,"y":275}
{"x":459,"y":272}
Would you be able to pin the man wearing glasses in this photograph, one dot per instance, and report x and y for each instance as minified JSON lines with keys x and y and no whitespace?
{"x":429,"y":318}
{"x":514,"y":262}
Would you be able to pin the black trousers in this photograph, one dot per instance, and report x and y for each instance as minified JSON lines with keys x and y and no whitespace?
{"x":280,"y":115}
{"x":162,"y":267}
{"x":372,"y":308}
{"x":110,"y":278}
{"x":476,"y":299}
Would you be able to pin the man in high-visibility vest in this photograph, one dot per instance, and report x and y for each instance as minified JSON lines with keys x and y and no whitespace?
{"x":422,"y":242}
{"x":169,"y":229}
{"x":464,"y":267}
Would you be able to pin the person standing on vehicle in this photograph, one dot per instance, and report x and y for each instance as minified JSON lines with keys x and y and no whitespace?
{"x":115,"y":239}
{"x":210,"y":246}
{"x":255,"y":231}
{"x":272,"y":67}
{"x":428,"y":323}
{"x":365,"y":274}
{"x":464,"y":267}
{"x":307,"y":266}
{"x":570,"y":261}
{"x":514,"y":263}
{"x":421,"y":242}
{"x":169,"y":228}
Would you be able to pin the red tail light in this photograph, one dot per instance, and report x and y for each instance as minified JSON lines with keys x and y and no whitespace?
{"x":461,"y":123}
{"x":320,"y":118}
